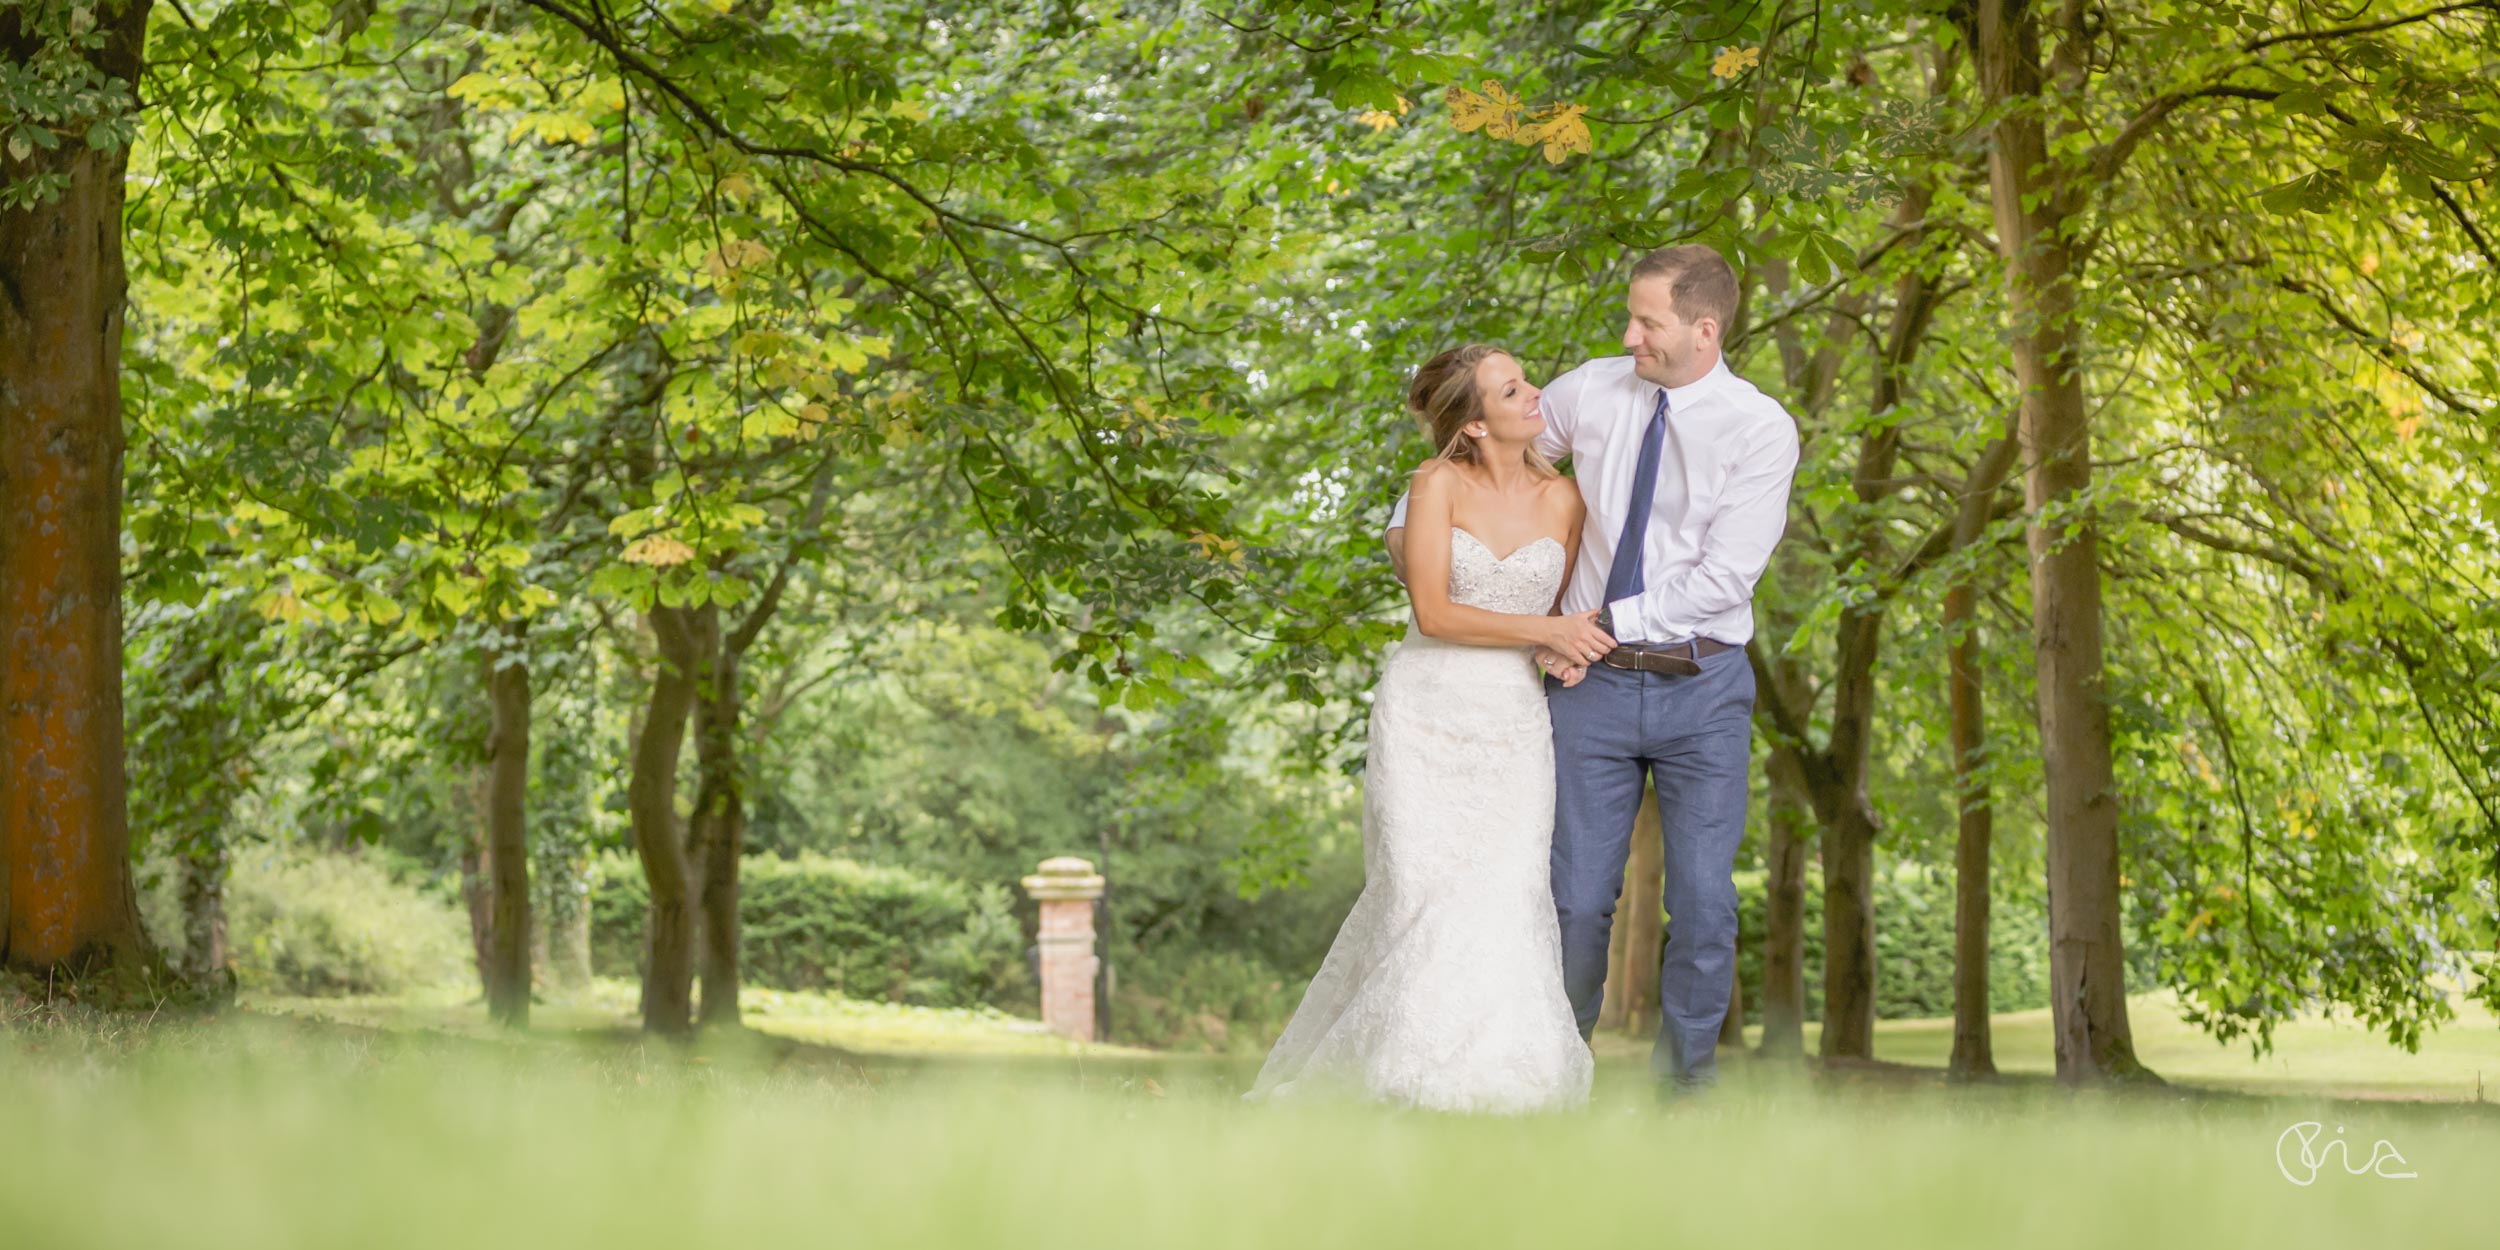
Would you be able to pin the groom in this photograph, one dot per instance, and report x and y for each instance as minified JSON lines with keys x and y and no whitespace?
{"x":1685,"y":470}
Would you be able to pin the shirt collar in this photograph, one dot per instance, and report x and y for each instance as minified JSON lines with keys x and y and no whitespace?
{"x":1680,"y":397}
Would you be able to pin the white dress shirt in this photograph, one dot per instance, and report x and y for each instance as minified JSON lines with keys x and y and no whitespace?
{"x":1720,"y":505}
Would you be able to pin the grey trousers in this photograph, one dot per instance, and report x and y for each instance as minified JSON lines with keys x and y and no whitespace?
{"x":1692,"y":736}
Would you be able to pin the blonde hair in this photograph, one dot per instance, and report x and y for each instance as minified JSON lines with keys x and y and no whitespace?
{"x":1445,"y":399}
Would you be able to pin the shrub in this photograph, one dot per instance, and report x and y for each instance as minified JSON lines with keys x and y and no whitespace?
{"x":300,"y":921}
{"x":1913,"y":946}
{"x":1216,"y":1000}
{"x":815,"y":922}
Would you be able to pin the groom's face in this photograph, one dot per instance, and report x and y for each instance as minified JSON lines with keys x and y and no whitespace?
{"x":1666,"y":349}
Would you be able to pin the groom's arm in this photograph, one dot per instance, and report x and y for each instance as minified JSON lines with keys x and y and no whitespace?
{"x":1753,"y":512}
{"x":1396,"y":539}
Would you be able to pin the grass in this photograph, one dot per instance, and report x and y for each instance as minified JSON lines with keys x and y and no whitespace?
{"x":2313,"y":1056}
{"x":271,"y":1131}
{"x":607,"y":1005}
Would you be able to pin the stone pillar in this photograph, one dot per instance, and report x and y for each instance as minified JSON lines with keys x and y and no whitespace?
{"x":1066,"y":887}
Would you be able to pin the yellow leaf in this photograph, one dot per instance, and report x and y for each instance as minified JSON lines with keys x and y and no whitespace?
{"x":2202,"y":919}
{"x":735,"y":255}
{"x":2204,"y":767}
{"x":478,"y":88}
{"x":658,"y":551}
{"x":1212,"y":547}
{"x":1734,"y":61}
{"x":1496,"y":111}
{"x":1377,"y":120}
{"x":1562,"y":132}
{"x":737,"y":186}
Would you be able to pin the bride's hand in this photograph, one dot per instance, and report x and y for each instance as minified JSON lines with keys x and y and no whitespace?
{"x":1578,"y":639}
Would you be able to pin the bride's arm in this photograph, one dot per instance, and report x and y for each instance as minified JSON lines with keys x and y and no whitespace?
{"x":1575,"y":513}
{"x":1428,"y":527}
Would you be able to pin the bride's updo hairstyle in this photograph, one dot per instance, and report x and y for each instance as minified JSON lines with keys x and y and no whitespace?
{"x":1445,"y":400}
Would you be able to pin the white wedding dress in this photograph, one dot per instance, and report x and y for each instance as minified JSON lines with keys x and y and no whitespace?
{"x":1444,"y":987}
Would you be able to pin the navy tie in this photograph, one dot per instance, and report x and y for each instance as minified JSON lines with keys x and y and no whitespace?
{"x":1624,"y":580}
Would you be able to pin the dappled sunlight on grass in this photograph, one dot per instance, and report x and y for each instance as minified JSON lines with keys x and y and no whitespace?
{"x":821,"y":1019}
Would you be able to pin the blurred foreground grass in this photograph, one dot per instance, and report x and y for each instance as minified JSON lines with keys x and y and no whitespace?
{"x":266,"y":1131}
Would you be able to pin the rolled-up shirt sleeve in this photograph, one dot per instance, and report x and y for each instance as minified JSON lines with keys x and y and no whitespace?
{"x":1752,"y":514}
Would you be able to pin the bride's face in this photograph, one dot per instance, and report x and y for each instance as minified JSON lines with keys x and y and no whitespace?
{"x":1510,"y":402}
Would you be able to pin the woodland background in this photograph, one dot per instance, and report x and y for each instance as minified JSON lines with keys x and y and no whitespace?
{"x":710,"y":492}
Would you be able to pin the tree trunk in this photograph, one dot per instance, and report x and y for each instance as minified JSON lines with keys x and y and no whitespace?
{"x":477,"y":884}
{"x":66,"y":897}
{"x":1849,"y":936}
{"x":1642,"y":916}
{"x":204,"y":872}
{"x":2034,"y":205}
{"x":1784,"y":913}
{"x":1732,"y":1027}
{"x":1967,"y":725}
{"x":507,"y":832}
{"x":720,"y":800}
{"x":651,"y":799}
{"x":1972,"y":1050}
{"x":1613,"y":1007}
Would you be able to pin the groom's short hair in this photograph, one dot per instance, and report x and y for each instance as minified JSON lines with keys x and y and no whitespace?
{"x":1700,"y":282}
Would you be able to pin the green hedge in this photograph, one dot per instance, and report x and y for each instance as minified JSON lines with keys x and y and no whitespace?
{"x":1913,"y":946}
{"x":302,"y":921}
{"x":816,"y":922}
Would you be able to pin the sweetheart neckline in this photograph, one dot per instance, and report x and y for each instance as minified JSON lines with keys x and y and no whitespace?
{"x":1488,"y":547}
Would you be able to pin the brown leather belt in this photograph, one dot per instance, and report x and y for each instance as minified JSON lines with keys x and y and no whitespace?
{"x":1681,"y":660}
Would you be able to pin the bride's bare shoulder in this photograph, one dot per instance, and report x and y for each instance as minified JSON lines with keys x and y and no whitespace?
{"x":1437,"y":473}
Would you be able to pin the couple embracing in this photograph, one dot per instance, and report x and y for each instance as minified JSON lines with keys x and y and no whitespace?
{"x":1571,"y":638}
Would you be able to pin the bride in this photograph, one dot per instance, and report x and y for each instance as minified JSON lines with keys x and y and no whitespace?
{"x":1444,"y":987}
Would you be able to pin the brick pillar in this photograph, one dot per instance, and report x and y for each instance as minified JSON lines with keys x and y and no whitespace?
{"x":1066,"y":887}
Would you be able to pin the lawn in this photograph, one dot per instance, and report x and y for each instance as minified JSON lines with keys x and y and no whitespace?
{"x":2316,"y":1057}
{"x":2334,"y":1058}
{"x":266,"y":1131}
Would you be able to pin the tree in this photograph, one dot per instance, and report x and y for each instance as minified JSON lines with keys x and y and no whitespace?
{"x":66,"y":899}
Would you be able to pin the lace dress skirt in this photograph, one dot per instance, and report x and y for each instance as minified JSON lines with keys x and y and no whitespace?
{"x":1444,"y":987}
